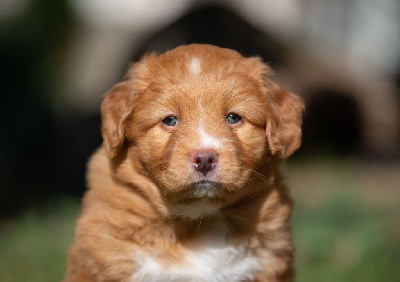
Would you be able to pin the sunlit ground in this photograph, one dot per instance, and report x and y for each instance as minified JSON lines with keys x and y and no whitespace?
{"x":346,"y":225}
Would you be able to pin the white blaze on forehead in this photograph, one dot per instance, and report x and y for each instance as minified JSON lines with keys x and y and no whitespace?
{"x":209,"y":141}
{"x":195,"y":66}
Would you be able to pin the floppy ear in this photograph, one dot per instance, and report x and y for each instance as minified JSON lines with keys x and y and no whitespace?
{"x":284,"y":121}
{"x":115,"y":109}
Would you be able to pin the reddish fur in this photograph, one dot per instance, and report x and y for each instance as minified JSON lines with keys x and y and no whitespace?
{"x":142,"y":166}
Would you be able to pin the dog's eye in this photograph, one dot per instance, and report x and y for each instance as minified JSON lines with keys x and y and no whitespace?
{"x":233,"y":118}
{"x":170,"y":121}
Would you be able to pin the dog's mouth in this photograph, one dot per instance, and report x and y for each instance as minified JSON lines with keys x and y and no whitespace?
{"x":205,"y":184}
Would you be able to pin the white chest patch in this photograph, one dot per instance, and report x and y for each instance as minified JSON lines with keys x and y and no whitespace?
{"x":214,"y":261}
{"x":210,"y":264}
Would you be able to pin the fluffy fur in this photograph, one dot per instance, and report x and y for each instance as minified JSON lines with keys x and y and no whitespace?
{"x":150,"y":213}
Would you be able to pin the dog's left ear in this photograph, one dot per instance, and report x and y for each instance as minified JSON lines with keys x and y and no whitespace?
{"x":284,"y":121}
{"x":115,"y":109}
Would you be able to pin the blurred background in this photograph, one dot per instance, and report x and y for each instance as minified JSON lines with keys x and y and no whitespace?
{"x":343,"y":57}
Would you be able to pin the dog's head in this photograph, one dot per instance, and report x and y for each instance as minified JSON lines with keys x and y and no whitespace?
{"x":203,"y":123}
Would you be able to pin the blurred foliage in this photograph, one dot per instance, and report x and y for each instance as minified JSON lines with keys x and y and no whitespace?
{"x":345,"y":227}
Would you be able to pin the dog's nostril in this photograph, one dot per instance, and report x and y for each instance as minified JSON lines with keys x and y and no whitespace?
{"x":205,"y":160}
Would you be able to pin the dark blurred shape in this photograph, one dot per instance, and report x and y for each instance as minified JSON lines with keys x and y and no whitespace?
{"x":332,"y":124}
{"x":47,"y":160}
{"x":213,"y":24}
{"x":42,"y":154}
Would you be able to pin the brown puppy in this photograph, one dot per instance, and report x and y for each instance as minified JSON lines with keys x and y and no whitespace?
{"x":186,"y":186}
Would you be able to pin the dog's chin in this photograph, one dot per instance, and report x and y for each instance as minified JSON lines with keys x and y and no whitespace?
{"x":193,"y":210}
{"x":204,"y":189}
{"x":199,"y":199}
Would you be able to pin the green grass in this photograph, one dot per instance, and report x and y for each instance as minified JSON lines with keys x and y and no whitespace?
{"x":346,"y":226}
{"x":346,"y":222}
{"x":345,"y":243}
{"x":34,"y":248}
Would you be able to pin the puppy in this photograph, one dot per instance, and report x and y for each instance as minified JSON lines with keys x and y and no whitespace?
{"x":186,"y":186}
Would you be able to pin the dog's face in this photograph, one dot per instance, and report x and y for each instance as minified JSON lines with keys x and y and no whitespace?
{"x":203,"y":123}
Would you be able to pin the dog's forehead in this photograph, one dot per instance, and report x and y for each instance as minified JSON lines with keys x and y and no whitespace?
{"x":192,"y":64}
{"x":196,"y":59}
{"x":201,"y":80}
{"x":202,"y":88}
{"x":202,"y":69}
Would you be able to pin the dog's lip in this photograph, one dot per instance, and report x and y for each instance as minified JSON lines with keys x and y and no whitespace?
{"x":205,"y":184}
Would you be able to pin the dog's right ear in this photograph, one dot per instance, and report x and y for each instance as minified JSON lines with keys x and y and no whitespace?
{"x":284,"y":121}
{"x":115,"y":109}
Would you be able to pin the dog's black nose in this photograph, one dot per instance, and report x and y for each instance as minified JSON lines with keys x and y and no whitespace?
{"x":205,"y":160}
